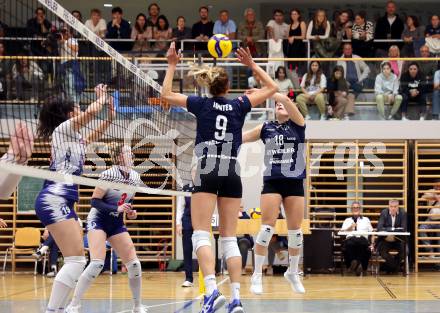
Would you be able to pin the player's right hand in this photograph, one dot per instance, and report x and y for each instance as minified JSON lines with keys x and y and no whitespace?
{"x":125,"y":207}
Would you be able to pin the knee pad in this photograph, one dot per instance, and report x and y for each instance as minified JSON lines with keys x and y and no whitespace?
{"x":265,"y":235}
{"x":134,"y":268}
{"x":295,"y":238}
{"x":201,"y":238}
{"x":230,"y":247}
{"x":94,"y":269}
{"x":71,"y":270}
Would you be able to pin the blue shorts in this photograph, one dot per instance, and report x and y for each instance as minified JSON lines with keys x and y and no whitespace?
{"x":111,"y":225}
{"x":53,"y":209}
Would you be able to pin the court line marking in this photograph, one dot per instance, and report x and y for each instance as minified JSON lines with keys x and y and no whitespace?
{"x":176,"y":302}
{"x":388,"y":290}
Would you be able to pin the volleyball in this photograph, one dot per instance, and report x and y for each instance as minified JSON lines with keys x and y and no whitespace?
{"x":255,"y":213}
{"x":219,"y":46}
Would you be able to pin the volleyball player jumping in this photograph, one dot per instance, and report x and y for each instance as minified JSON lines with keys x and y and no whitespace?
{"x":284,"y":161}
{"x":61,"y":120}
{"x":218,"y":140}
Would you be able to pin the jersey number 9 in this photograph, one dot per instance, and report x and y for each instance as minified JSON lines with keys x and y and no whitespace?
{"x":220,"y":125}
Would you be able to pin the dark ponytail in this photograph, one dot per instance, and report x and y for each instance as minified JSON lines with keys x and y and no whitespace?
{"x":55,"y":110}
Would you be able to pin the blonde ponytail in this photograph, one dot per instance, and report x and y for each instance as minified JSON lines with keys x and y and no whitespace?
{"x":214,"y":78}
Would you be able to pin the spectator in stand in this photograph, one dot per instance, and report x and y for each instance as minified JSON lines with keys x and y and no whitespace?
{"x":70,"y":70}
{"x":386,"y":89}
{"x":433,"y":35}
{"x":5,"y":74}
{"x":153,"y":15}
{"x":313,"y":85}
{"x":412,"y":88}
{"x":181,"y":32}
{"x":362,"y":35}
{"x":118,"y":28}
{"x":390,"y":26}
{"x":413,"y":35}
{"x":341,"y":27}
{"x":285,"y":85}
{"x":432,"y":197}
{"x":224,"y":25}
{"x":396,"y":66}
{"x":162,"y":33}
{"x":357,"y":249}
{"x":276,"y":28}
{"x":250,"y":31}
{"x":38,"y":26}
{"x":355,"y":73}
{"x":96,"y":23}
{"x":391,"y":219}
{"x":294,"y":47}
{"x":341,"y":100}
{"x":139,"y":33}
{"x":27,"y":73}
{"x":319,"y":27}
{"x":436,"y":97}
{"x":427,"y":68}
{"x":202,"y":30}
{"x":254,"y":81}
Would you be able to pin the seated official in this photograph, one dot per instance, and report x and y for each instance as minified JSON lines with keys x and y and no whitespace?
{"x":357,"y":250}
{"x":391,"y":219}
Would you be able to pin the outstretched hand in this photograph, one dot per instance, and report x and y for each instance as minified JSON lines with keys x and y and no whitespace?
{"x":22,"y":143}
{"x":173,"y":57}
{"x":101,"y":92}
{"x":244,"y":56}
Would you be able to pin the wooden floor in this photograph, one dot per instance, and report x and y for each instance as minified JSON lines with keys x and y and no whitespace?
{"x":162,"y":291}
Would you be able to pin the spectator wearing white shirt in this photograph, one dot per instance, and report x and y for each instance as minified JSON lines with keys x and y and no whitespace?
{"x":276,"y":28}
{"x":284,"y":83}
{"x":224,"y":25}
{"x":436,"y":96}
{"x":432,"y":197}
{"x":357,"y":250}
{"x":96,"y":23}
{"x":313,"y":85}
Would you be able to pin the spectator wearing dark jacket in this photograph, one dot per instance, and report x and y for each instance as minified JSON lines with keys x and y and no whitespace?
{"x":38,"y":26}
{"x":393,"y":218}
{"x":202,"y":30}
{"x":118,"y":28}
{"x":390,"y":26}
{"x":412,"y":88}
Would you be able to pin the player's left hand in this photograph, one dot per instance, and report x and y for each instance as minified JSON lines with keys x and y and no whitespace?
{"x":132,"y":214}
{"x":22,"y":143}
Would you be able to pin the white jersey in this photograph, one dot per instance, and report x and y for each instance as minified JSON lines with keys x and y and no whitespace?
{"x":67,"y":157}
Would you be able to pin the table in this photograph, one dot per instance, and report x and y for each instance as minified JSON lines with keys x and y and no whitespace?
{"x":383,"y":234}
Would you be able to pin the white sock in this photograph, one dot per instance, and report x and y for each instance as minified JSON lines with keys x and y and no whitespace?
{"x":259,"y":261}
{"x":44,"y":249}
{"x":135,"y":281}
{"x":210,"y":284}
{"x":235,"y":291}
{"x":59,"y":294}
{"x":293,"y":263}
{"x":63,"y":305}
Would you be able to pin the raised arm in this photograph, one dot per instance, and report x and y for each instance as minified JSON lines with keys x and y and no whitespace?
{"x":252,"y":135}
{"x":93,"y":109}
{"x":170,"y":97}
{"x":270,"y":87}
{"x":97,"y":133}
{"x":291,"y":108}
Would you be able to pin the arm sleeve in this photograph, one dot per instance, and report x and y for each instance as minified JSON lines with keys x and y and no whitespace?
{"x":217,"y":27}
{"x":245,"y":105}
{"x":323,"y":83}
{"x":303,"y":81}
{"x":111,"y":31}
{"x":380,"y":224}
{"x":194,"y":104}
{"x":370,"y":227}
{"x":370,"y":31}
{"x":365,"y":70}
{"x":346,"y":224}
{"x":404,"y":220}
{"x":180,"y":207}
{"x":103,"y":206}
{"x":327,"y":31}
{"x":378,"y":85}
{"x":396,"y":86}
{"x":309,"y":30}
{"x":437,"y":78}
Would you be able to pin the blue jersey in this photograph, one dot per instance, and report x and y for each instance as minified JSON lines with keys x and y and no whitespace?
{"x":284,"y":155}
{"x":67,"y":157}
{"x":219,"y":124}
